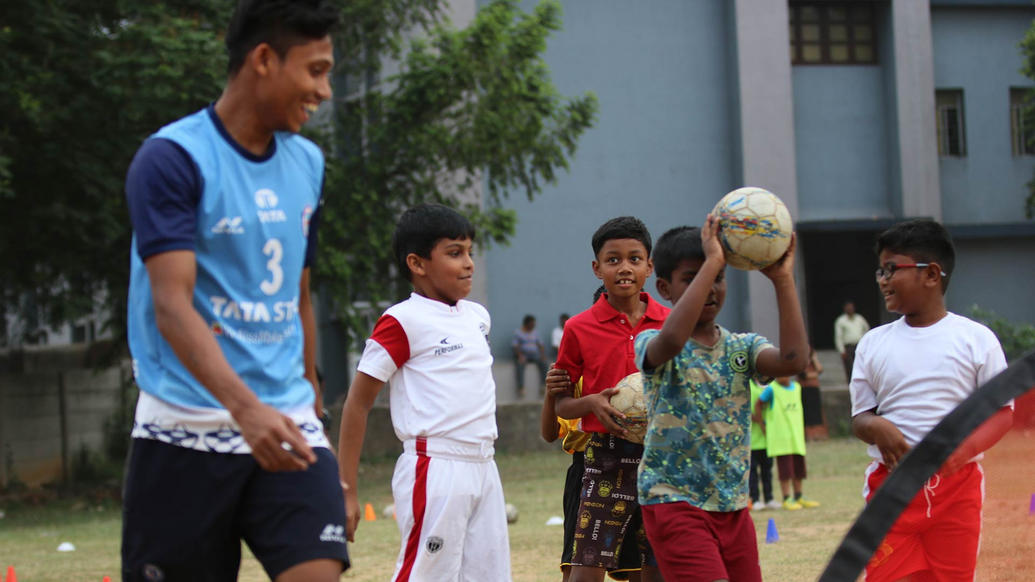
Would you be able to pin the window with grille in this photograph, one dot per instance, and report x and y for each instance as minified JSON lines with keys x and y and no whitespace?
{"x":833,"y":33}
{"x":949,"y":112}
{"x":1022,"y":122}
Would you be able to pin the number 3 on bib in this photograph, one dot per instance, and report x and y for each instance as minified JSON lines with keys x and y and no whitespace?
{"x":275,"y":252}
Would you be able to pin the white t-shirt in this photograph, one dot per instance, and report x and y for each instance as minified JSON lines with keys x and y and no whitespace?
{"x":438,"y":361}
{"x":555,"y":337}
{"x":915,"y":376}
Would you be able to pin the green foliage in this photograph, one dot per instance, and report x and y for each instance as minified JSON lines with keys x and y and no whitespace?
{"x":1027,"y":46}
{"x":1017,"y":339}
{"x":468,"y":110}
{"x":85,"y":81}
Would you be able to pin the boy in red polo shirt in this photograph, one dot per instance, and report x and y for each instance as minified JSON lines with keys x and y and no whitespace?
{"x":598,"y":347}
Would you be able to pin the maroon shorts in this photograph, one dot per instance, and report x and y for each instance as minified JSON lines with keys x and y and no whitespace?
{"x":790,"y":467}
{"x":691,"y":544}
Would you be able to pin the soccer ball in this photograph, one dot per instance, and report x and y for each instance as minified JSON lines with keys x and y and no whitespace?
{"x":512,"y":513}
{"x":754,"y":228}
{"x":629,"y":401}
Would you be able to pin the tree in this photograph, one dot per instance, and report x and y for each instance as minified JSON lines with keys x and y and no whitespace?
{"x":1028,"y":52}
{"x":471,"y":108}
{"x":85,"y":81}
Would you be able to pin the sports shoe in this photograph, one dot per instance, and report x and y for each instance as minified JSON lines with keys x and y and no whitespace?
{"x":791,"y":505}
{"x":774,"y":504}
{"x":807,"y":503}
{"x":758,"y":505}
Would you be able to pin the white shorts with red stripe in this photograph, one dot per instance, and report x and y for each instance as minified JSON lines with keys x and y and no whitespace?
{"x":451,"y":514}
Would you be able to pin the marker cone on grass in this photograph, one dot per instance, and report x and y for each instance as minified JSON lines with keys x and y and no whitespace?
{"x":10,"y":575}
{"x":771,"y":535}
{"x":368,"y":513}
{"x":106,"y":579}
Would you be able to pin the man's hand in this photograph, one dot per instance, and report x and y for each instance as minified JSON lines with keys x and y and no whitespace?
{"x":351,"y":512}
{"x":600,"y":406}
{"x":276,"y":442}
{"x":558,"y":383}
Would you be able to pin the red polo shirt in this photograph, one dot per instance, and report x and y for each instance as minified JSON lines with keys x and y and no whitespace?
{"x":597,"y":346}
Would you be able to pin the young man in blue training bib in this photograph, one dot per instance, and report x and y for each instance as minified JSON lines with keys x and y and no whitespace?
{"x":227,"y":441}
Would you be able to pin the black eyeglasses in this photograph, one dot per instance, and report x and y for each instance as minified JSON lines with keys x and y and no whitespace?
{"x":886,"y":271}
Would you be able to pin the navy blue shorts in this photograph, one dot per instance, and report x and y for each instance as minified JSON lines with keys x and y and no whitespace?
{"x":185,"y":513}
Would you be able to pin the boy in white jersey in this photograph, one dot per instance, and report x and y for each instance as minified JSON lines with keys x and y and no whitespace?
{"x":227,"y":442}
{"x":907,"y":376}
{"x":434,"y":348}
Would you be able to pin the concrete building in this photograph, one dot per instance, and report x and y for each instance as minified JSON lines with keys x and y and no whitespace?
{"x":857,"y":114}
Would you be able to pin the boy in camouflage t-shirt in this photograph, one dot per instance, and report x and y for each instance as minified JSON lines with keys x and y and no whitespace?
{"x":692,"y":483}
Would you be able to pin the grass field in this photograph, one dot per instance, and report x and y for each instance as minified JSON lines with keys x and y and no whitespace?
{"x":30,"y":534}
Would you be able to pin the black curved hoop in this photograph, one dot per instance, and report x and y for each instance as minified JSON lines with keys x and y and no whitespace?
{"x":920,"y":464}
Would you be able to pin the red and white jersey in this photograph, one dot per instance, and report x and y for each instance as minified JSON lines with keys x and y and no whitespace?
{"x":437,"y":360}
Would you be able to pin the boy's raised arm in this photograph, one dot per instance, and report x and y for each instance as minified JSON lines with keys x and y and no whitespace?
{"x":361,"y":397}
{"x":684,"y":315}
{"x":793,"y":353}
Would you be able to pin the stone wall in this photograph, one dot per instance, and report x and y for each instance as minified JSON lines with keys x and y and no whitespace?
{"x":53,"y":404}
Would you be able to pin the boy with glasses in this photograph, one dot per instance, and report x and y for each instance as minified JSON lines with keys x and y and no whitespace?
{"x":908,"y":375}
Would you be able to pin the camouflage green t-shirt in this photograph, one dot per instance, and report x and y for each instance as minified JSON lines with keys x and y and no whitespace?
{"x":697,"y":447}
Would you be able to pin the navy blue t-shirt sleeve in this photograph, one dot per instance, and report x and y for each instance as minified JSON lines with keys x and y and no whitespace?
{"x":314,"y":225}
{"x":163,"y":189}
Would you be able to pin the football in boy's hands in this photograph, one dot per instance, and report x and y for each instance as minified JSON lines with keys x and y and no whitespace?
{"x":629,"y":401}
{"x":754,"y":228}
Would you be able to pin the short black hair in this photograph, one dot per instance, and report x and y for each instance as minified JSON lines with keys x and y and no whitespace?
{"x":619,"y":228}
{"x":923,"y":239}
{"x":528,"y":319}
{"x":600,"y":291}
{"x":281,"y":24}
{"x":421,"y":227}
{"x":677,"y":244}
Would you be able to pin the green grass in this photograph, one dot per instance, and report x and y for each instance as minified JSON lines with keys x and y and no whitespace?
{"x":30,"y":534}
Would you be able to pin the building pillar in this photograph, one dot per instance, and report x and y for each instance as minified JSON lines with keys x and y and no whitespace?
{"x":766,"y":127}
{"x":913,"y":60}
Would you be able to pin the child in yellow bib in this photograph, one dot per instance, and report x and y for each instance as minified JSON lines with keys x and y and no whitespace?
{"x":780,"y":408}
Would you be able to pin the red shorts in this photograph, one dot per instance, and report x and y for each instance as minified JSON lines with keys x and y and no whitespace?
{"x":692,"y":544}
{"x":938,"y":532}
{"x":790,"y":467}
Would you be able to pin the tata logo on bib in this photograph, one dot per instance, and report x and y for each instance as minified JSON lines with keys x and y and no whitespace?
{"x":265,"y":198}
{"x":267,"y":201}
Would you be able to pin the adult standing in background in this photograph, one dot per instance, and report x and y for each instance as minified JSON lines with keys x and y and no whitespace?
{"x":849,"y":327}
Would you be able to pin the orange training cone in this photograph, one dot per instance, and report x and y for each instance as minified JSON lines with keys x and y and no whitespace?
{"x":106,"y":579}
{"x":368,"y":514}
{"x":10,"y":574}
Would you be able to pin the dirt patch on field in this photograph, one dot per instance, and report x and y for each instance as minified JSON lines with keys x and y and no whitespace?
{"x":1008,"y":532}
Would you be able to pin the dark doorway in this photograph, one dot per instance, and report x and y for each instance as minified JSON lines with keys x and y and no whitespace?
{"x":839,"y":264}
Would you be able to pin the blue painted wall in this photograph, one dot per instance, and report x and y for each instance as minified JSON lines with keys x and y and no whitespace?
{"x":976,"y":50}
{"x":996,"y":274}
{"x":662,"y":149}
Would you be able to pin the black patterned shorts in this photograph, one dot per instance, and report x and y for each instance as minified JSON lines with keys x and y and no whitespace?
{"x":607,"y":504}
